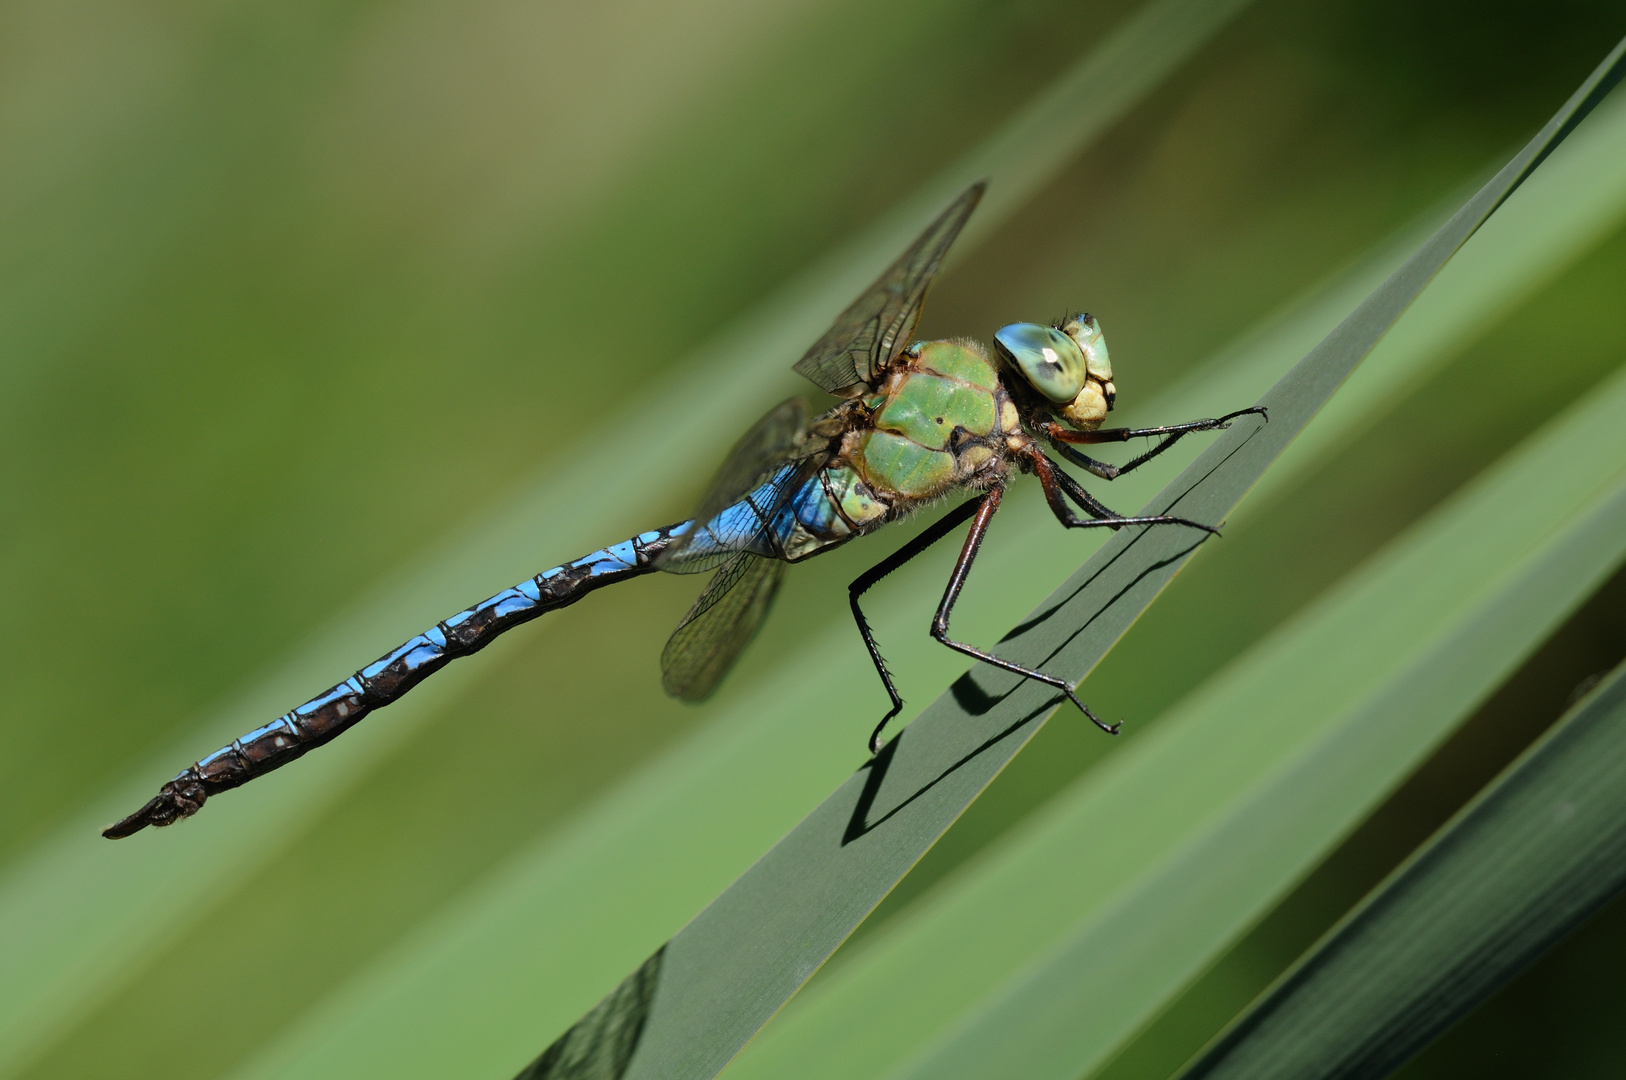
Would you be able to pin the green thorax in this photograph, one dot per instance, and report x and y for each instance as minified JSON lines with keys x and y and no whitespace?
{"x":942,"y":386}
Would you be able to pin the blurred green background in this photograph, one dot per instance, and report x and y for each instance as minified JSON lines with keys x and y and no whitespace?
{"x":294,"y":297}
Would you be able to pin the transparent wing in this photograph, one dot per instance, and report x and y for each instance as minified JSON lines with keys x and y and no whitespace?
{"x":722,"y":622}
{"x":772,"y":441}
{"x":749,"y":524}
{"x":776,"y":440}
{"x":877,"y":326}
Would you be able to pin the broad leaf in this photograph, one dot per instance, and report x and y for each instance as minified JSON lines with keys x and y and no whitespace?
{"x":730,"y":969}
{"x":96,"y":912}
{"x":1537,"y":853}
{"x":1114,"y":920}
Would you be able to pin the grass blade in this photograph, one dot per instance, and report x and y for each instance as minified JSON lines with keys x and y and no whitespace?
{"x":878,"y":1010}
{"x":731,"y":968}
{"x":1536,"y":854}
{"x":1265,"y":768}
{"x":96,"y":911}
{"x":773,"y":754}
{"x":560,"y":906}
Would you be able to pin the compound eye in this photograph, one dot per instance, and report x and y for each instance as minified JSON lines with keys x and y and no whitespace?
{"x":1050,"y":360}
{"x":1087,"y":332}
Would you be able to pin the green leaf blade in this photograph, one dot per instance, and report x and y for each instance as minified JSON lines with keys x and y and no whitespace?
{"x":1536,"y":854}
{"x":1073,"y":935}
{"x":98,"y":913}
{"x":724,"y":975}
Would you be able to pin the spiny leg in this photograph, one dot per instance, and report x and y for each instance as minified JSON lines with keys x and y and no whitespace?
{"x":1056,"y":482}
{"x":1063,"y":439}
{"x":940,"y":622}
{"x":941,"y":528}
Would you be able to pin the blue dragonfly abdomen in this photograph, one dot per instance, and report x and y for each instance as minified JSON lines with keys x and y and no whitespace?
{"x":327,"y":715}
{"x":792,"y":515}
{"x":797,"y":512}
{"x":915,"y":422}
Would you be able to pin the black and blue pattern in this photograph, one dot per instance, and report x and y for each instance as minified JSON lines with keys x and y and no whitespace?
{"x":325,"y":716}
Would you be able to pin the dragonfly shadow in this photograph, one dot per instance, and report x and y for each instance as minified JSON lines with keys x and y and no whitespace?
{"x":977,"y":701}
{"x":1173,"y":558}
{"x":1044,"y":614}
{"x":601,"y":1044}
{"x":859,"y":824}
{"x":971,"y":697}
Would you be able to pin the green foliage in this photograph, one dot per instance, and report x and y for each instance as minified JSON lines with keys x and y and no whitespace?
{"x":1534,"y":856}
{"x":754,"y":946}
{"x":286,"y":292}
{"x":123,"y":901}
{"x":1073,"y":935}
{"x":1264,"y":768}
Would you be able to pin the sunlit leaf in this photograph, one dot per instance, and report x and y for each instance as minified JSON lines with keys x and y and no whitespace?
{"x":1114,"y":920}
{"x":1536,"y":854}
{"x":736,"y":963}
{"x":96,"y":911}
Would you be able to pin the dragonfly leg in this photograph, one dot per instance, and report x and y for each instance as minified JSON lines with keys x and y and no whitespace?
{"x":940,"y":622}
{"x":1063,"y":440}
{"x":939,"y":529}
{"x":1057,"y":483}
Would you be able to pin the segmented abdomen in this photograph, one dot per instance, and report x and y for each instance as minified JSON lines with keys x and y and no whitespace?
{"x":790,"y":516}
{"x":392,"y":675}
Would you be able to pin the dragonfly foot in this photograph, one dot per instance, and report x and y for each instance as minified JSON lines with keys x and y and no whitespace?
{"x":1253,"y":410}
{"x":1110,"y":729}
{"x":875,"y":736}
{"x":179,"y":798}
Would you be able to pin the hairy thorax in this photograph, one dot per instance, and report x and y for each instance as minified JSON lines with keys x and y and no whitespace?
{"x":940,"y":419}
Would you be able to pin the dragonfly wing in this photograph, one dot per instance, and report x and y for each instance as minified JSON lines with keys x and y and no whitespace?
{"x":870,"y":333}
{"x":753,"y":523}
{"x":772,"y":441}
{"x":777,"y":440}
{"x":720,"y":624}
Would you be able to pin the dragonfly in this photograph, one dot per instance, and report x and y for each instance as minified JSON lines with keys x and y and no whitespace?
{"x":915,"y":422}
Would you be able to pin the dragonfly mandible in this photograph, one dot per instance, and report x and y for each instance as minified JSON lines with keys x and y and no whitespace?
{"x":916,"y":421}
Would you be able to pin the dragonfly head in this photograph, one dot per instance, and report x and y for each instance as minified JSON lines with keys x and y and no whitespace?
{"x":1068,"y":365}
{"x":1096,"y":397}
